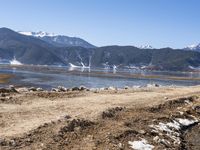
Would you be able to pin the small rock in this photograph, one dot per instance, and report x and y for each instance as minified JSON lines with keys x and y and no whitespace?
{"x":156,"y":139}
{"x":3,"y":95}
{"x":24,"y":89}
{"x":39,"y":89}
{"x":77,"y":129}
{"x":4,"y":90}
{"x":102,"y":89}
{"x":93,"y":89}
{"x":3,"y":142}
{"x":112,"y":88}
{"x":10,"y":97}
{"x":197,"y":109}
{"x":75,"y":88}
{"x":66,"y":142}
{"x":68,"y":90}
{"x":126,"y":87}
{"x":12,"y":143}
{"x":141,"y":132}
{"x":12,"y":88}
{"x":62,"y":89}
{"x":29,"y":140}
{"x":165,"y":142}
{"x":105,"y":88}
{"x":81,"y":88}
{"x":120,"y":145}
{"x":32,"y":89}
{"x":153,"y":85}
{"x":54,"y":90}
{"x":67,"y":117}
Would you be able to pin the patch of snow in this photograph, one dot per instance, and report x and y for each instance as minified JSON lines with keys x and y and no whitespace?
{"x":187,"y":102}
{"x":140,"y":145}
{"x":146,"y":47}
{"x":15,"y":62}
{"x":187,"y":122}
{"x":37,"y":34}
{"x":170,"y":129}
{"x":26,"y":33}
{"x":106,"y":66}
{"x":161,"y":127}
{"x":74,"y":66}
{"x":174,"y":124}
{"x":144,"y":67}
{"x":114,"y":68}
{"x":192,"y":47}
{"x":194,"y":68}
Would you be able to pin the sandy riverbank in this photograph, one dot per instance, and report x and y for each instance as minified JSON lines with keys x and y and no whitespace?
{"x":109,"y":119}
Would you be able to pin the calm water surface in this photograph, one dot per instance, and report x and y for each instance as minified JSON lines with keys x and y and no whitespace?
{"x":48,"y":77}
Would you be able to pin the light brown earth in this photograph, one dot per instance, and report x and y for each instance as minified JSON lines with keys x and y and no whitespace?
{"x":36,"y":120}
{"x":5,"y":77}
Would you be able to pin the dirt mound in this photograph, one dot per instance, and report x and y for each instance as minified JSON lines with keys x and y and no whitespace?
{"x":112,"y":112}
{"x":173,"y":103}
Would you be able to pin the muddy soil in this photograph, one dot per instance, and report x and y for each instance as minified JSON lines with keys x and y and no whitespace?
{"x":101,"y":120}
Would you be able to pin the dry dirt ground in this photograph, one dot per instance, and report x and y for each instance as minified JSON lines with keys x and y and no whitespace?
{"x":109,"y":119}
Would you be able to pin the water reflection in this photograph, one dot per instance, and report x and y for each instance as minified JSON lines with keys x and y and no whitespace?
{"x":82,"y":69}
{"x":96,"y":77}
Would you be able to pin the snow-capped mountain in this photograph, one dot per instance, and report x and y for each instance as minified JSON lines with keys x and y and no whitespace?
{"x":20,"y":49}
{"x":59,"y":40}
{"x":37,"y":34}
{"x":146,"y":47}
{"x":194,"y":47}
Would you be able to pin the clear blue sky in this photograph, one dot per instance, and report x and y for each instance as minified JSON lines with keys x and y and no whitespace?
{"x":160,"y":23}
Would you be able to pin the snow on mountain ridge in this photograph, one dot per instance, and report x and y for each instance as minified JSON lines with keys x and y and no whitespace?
{"x":193,"y":47}
{"x":59,"y":40}
{"x":37,"y":34}
{"x":146,"y":47}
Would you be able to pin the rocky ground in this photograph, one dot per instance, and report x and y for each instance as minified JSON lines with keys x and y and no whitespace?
{"x":80,"y":118}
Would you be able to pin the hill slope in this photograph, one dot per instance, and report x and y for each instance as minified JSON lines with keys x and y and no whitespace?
{"x":59,"y":40}
{"x":31,"y":50}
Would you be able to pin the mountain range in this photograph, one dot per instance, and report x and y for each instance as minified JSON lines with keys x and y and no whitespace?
{"x":59,"y":40}
{"x":45,"y":49}
{"x":194,"y":47}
